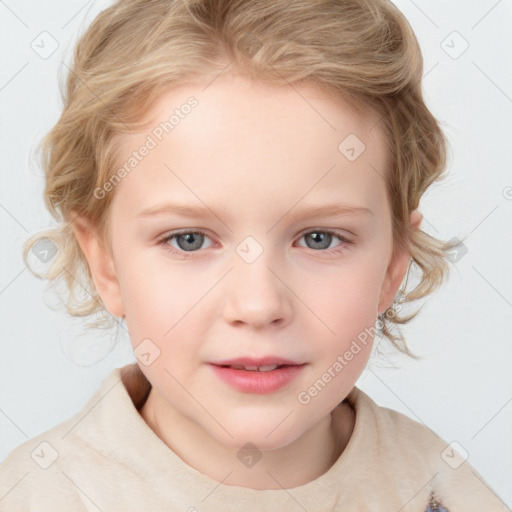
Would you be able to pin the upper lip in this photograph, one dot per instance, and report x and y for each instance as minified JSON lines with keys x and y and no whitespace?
{"x":249,"y":361}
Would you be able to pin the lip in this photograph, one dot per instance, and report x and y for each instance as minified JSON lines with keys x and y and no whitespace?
{"x":250,"y":361}
{"x":256,"y":382}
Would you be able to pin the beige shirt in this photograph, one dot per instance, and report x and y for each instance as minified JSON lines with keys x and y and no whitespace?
{"x":106,"y":458}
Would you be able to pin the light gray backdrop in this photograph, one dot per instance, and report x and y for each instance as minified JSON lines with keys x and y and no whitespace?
{"x":462,"y":389}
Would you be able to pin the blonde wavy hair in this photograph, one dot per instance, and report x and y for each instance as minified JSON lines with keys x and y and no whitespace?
{"x":362,"y":50}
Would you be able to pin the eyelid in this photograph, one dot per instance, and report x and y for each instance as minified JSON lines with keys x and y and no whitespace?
{"x":331,"y":231}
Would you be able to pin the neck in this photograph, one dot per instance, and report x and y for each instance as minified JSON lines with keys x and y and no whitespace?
{"x":298,"y":463}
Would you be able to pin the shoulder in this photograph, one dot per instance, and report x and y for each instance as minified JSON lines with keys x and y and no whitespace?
{"x":40,"y":474}
{"x":34,"y":475}
{"x":410,"y":447}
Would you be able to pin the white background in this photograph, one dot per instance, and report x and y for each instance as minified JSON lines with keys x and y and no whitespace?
{"x":461,"y":389}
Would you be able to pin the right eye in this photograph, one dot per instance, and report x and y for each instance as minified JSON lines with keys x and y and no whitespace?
{"x":186,"y":241}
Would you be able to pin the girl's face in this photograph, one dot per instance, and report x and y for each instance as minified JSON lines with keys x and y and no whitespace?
{"x":285,"y":254}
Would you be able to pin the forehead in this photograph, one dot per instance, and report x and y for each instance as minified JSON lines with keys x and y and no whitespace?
{"x":235,"y":102}
{"x":267,"y":137}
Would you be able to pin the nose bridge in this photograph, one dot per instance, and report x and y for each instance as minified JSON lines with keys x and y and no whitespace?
{"x":255,"y":293}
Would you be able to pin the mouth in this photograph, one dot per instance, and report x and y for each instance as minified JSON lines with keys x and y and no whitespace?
{"x":262,"y":364}
{"x":255,"y":368}
{"x":257,"y":376}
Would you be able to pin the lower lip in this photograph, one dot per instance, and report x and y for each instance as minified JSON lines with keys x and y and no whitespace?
{"x":260,"y":383}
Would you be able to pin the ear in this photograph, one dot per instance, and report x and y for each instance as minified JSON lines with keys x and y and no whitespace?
{"x":397,"y":269}
{"x":101,"y":265}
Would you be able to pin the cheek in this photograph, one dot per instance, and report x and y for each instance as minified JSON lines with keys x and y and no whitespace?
{"x":348,"y":298}
{"x":158,"y":298}
{"x":348,"y":305}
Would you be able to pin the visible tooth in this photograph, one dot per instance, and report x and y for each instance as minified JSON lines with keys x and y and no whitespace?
{"x":267,"y":368}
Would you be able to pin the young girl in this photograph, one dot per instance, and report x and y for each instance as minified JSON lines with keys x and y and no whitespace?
{"x":240,"y":182}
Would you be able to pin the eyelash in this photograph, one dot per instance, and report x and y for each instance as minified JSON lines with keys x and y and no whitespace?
{"x":163,"y":241}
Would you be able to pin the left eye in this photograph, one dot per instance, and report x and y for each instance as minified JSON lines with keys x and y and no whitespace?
{"x":321,"y":239}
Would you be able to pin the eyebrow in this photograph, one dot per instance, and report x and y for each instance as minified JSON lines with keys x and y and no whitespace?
{"x":183,"y":210}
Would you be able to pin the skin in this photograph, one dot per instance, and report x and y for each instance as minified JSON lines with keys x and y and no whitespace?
{"x":255,"y":154}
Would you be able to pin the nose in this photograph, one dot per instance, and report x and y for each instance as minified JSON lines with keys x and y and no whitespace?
{"x":256,"y":295}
